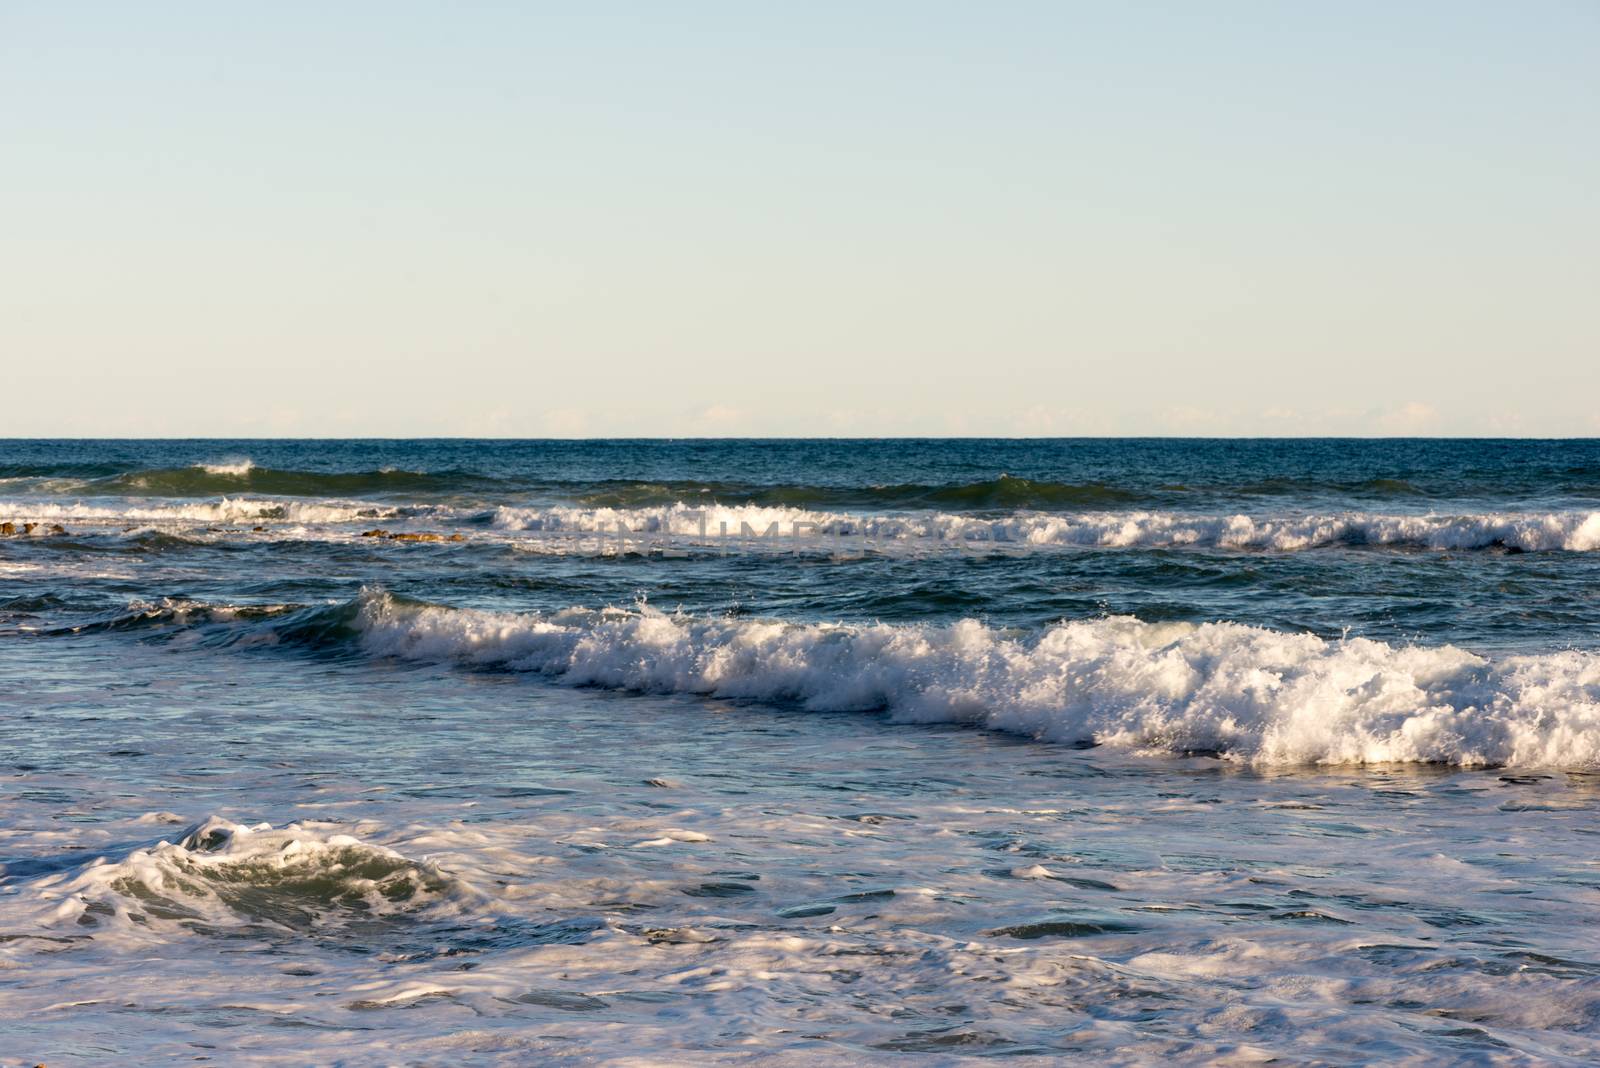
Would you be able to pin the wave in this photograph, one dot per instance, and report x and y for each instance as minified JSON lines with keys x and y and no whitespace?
{"x":220,"y":875}
{"x":1288,"y":487}
{"x":1245,"y":693}
{"x":234,"y":468}
{"x":176,"y":611}
{"x":243,"y":476}
{"x":225,"y":510}
{"x":784,"y":527}
{"x":1576,"y":531}
{"x":1004,"y":492}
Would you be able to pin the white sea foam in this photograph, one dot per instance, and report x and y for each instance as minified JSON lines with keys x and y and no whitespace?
{"x":572,"y":529}
{"x":299,"y":877}
{"x":1577,"y":531}
{"x":1252,"y":694}
{"x":225,"y":510}
{"x":237,"y":468}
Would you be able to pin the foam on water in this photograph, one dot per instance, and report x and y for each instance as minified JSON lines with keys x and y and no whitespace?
{"x":757,"y":526}
{"x":220,"y":875}
{"x":223,"y":510}
{"x":228,"y":467}
{"x":1249,"y":693}
{"x":1575,"y":531}
{"x":691,"y":926}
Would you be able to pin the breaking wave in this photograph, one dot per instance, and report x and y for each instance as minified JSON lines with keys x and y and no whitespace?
{"x":756,"y":526}
{"x":225,"y":510}
{"x":1576,"y":531}
{"x":1247,"y":693}
{"x":233,"y":468}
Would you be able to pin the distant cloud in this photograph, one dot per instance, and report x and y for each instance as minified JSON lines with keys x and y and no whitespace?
{"x":1508,"y":424}
{"x":1412,"y":417}
{"x":1191,"y":419}
{"x":720,"y":419}
{"x":565,"y":423}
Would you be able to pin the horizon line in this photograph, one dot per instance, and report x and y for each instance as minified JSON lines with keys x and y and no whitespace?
{"x":816,"y":437}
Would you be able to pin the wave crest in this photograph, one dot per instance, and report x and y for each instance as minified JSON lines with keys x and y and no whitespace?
{"x":1575,"y":531}
{"x":225,"y":510}
{"x":234,"y":468}
{"x":1247,"y":693}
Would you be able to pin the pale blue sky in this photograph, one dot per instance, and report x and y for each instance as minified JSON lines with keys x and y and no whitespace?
{"x":808,"y":218}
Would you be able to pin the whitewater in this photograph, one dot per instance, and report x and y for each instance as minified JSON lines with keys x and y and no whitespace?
{"x":1242,"y":692}
{"x":653,"y":753}
{"x":781,"y":527}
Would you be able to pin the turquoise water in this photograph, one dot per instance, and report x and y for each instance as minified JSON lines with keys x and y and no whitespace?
{"x":570,"y":752}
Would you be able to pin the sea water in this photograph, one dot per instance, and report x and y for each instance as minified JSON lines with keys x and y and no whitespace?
{"x":699,"y":752}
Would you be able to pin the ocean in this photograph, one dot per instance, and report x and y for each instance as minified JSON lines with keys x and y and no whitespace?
{"x":698,"y":752}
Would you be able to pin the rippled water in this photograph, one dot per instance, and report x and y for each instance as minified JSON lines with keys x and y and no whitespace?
{"x":1132,"y":750}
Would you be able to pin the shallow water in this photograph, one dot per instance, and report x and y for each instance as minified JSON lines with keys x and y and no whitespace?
{"x":531,"y":799}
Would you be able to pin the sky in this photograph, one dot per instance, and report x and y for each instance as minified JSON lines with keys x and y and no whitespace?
{"x":801,"y":219}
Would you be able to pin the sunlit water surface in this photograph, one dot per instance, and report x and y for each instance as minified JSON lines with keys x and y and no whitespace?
{"x":294,"y":795}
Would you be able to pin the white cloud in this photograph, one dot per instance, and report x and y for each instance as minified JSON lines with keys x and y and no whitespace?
{"x":1412,"y":417}
{"x":565,"y":423}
